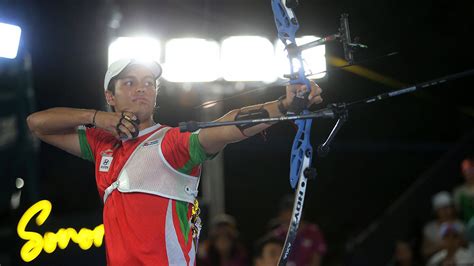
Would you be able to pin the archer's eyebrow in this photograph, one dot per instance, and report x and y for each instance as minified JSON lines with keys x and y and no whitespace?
{"x":128,"y":77}
{"x":148,"y":77}
{"x":134,"y":77}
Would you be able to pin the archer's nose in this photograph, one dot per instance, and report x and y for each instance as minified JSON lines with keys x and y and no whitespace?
{"x":140,"y":89}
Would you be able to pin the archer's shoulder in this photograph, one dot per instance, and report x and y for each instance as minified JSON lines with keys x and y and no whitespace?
{"x":97,"y":133}
{"x":174,"y":132}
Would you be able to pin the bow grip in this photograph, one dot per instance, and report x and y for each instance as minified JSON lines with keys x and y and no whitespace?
{"x":300,"y":102}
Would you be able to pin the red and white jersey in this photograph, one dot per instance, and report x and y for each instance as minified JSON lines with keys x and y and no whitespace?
{"x":140,"y":228}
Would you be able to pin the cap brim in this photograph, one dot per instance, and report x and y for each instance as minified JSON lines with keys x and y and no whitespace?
{"x":118,"y":66}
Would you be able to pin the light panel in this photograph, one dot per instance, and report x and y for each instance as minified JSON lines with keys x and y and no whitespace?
{"x":9,"y":40}
{"x":191,"y":60}
{"x":248,"y":58}
{"x":140,"y":48}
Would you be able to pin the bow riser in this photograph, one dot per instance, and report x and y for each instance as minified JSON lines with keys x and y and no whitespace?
{"x":301,"y":152}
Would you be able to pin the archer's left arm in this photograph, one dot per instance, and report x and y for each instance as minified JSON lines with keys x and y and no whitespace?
{"x":215,"y":139}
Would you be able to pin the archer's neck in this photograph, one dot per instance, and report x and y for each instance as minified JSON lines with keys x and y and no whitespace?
{"x":146,"y":124}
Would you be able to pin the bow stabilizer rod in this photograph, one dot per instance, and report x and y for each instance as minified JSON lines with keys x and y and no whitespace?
{"x":335,"y":110}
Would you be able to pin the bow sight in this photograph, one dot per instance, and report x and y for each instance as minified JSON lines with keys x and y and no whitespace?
{"x":343,"y":35}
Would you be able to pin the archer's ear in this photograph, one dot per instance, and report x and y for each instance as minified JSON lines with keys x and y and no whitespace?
{"x":109,"y":97}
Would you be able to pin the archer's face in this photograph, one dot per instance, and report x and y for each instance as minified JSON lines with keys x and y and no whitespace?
{"x":135,"y":91}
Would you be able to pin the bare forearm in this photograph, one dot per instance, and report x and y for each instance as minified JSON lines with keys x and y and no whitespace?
{"x":272,"y":109}
{"x":214,"y":139}
{"x":58,"y":120}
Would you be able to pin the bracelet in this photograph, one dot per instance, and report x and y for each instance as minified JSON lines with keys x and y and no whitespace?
{"x":93,"y":118}
{"x":280,"y":105}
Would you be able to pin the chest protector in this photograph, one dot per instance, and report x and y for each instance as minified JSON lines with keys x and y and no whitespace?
{"x":147,"y":171}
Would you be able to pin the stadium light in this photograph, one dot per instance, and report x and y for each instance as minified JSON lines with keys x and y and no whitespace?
{"x":141,"y":48}
{"x":191,"y":60}
{"x":315,"y":58}
{"x":248,"y":58}
{"x":9,"y":40}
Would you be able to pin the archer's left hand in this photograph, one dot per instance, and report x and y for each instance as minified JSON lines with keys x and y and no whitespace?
{"x":314,"y":96}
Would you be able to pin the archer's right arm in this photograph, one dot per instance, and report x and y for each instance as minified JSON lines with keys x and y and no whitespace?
{"x":58,"y":127}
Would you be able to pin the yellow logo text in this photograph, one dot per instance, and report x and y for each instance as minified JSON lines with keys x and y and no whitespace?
{"x":36,"y":242}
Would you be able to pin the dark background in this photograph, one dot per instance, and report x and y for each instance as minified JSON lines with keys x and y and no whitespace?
{"x":382,"y":150}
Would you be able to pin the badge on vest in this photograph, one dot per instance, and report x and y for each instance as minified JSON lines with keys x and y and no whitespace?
{"x":150,"y":143}
{"x":105,"y":163}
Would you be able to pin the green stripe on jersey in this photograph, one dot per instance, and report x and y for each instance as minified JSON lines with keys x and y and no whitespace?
{"x":197,"y":155}
{"x":86,"y":151}
{"x":182,"y":211}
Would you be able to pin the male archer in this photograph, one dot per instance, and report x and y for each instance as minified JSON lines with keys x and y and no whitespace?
{"x":146,"y":173}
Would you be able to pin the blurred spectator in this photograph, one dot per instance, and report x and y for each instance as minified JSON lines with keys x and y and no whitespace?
{"x":268,"y":250}
{"x":223,"y":247}
{"x":403,"y":254}
{"x":464,"y":194}
{"x":453,"y":252}
{"x":445,"y":213}
{"x":309,"y":246}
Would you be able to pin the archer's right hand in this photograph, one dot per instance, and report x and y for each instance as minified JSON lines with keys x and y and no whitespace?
{"x":122,"y":125}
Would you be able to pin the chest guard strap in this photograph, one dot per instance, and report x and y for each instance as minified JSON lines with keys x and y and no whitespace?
{"x":147,"y":171}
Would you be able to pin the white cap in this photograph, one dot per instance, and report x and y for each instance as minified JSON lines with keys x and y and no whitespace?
{"x":118,"y":66}
{"x":442,"y":199}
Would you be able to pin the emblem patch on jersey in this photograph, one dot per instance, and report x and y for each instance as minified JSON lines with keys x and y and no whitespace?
{"x":150,"y":143}
{"x":105,"y":163}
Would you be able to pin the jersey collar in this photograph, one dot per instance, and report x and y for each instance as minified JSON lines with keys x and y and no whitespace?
{"x":146,"y":131}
